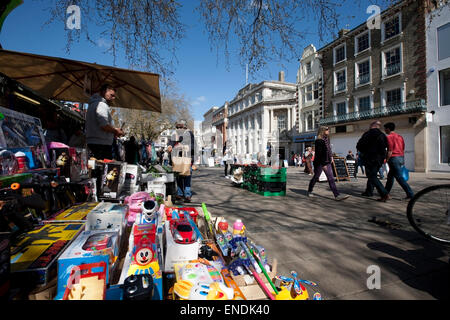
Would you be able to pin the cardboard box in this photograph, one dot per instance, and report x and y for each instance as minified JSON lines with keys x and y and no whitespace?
{"x":60,"y":158}
{"x":78,"y":164}
{"x":34,"y":254}
{"x":107,"y":216}
{"x":113,"y":179}
{"x":90,"y":247}
{"x":77,"y":212}
{"x":132,"y":179}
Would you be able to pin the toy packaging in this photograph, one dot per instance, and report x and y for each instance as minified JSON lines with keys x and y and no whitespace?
{"x":32,"y":158}
{"x":87,"y":282}
{"x":134,"y":203}
{"x":19,"y":130}
{"x":60,"y":157}
{"x":76,"y":213}
{"x":78,"y":164}
{"x":5,"y":267}
{"x":132,"y":179}
{"x":90,"y":247}
{"x":177,"y":252}
{"x":106,"y":216}
{"x":33,"y":254}
{"x":113,"y":179}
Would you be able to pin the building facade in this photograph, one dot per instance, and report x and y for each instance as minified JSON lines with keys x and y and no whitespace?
{"x":379,"y":74}
{"x":262,"y":116}
{"x":208,"y":135}
{"x":438,"y":88}
{"x":220,"y":122}
{"x":309,"y":81}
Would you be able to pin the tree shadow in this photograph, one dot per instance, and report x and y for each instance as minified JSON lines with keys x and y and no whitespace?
{"x":428,"y":272}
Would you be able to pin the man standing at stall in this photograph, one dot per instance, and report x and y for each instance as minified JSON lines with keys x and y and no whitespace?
{"x":100,"y":131}
{"x":182,"y":146}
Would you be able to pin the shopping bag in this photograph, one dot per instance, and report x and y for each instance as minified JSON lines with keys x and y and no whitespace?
{"x":182,"y":165}
{"x":404,"y":172}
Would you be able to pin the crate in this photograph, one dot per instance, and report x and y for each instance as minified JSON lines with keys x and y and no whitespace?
{"x":272,"y":171}
{"x":272,"y":186}
{"x":273,"y":178}
{"x":272,"y":194}
{"x":156,"y":188}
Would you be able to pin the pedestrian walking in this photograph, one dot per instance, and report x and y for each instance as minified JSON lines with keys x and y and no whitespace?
{"x":373,"y":147}
{"x":308,"y":159}
{"x":359,"y":163}
{"x":322,"y":162}
{"x":396,"y":159}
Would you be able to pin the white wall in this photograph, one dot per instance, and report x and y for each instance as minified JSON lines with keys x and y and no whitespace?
{"x":441,"y":116}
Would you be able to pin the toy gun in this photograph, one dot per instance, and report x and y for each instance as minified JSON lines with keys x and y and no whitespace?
{"x":260,"y":253}
{"x":208,"y":219}
{"x":193,"y":225}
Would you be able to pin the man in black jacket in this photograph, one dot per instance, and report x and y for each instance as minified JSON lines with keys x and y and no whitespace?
{"x":373,"y":146}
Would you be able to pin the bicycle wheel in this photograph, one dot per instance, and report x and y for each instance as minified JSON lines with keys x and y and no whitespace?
{"x":428,"y":213}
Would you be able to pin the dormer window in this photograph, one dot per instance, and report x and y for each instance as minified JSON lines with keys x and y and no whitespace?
{"x":339,"y":53}
{"x":392,"y":27}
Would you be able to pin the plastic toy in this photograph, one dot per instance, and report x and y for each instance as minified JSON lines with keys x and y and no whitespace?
{"x":182,"y":231}
{"x":292,"y":289}
{"x":99,"y":241}
{"x":138,"y":287}
{"x":238,"y":227}
{"x":263,"y":269}
{"x":149,"y":212}
{"x":238,"y":295}
{"x":134,"y":202}
{"x":86,"y":284}
{"x":212,"y":291}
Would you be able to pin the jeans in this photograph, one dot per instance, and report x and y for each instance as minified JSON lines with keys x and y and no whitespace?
{"x":226,"y":169}
{"x":329,"y":173}
{"x":372,"y":170}
{"x":395,"y":164}
{"x":184,"y":186}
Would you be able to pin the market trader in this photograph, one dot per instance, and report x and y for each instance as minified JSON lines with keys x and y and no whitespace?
{"x":99,"y":129}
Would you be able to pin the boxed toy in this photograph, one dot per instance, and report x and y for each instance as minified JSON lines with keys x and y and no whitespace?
{"x":19,"y":130}
{"x":5,"y":281}
{"x":112,"y":179}
{"x":60,"y":157}
{"x":34,"y":254}
{"x":106,"y":216}
{"x":78,"y":164}
{"x":77,"y":212}
{"x":176,"y":252}
{"x":132,"y":179}
{"x":90,"y":247}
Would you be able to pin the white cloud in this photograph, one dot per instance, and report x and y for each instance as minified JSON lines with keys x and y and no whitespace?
{"x":103,"y":43}
{"x":199,"y":100}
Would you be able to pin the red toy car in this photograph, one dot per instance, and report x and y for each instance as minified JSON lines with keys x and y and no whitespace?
{"x":182,"y":231}
{"x":97,"y":242}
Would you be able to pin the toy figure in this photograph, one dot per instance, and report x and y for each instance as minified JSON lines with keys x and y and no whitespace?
{"x":111,"y":177}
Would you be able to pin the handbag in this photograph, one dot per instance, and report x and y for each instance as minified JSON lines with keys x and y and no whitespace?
{"x":182,"y":164}
{"x":404,"y":172}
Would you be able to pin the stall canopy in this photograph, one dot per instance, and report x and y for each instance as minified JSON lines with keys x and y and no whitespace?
{"x":70,"y":80}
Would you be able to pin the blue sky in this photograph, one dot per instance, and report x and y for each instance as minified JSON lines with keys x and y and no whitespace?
{"x":202,"y":78}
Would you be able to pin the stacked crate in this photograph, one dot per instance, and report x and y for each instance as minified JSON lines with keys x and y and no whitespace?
{"x":265,"y":181}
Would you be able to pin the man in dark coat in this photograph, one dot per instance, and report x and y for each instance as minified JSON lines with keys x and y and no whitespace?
{"x":373,"y":148}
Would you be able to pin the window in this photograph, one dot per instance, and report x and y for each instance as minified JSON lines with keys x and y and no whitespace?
{"x":443,"y":43}
{"x":392,"y":60}
{"x":445,"y":144}
{"x":339,"y":54}
{"x":341,"y":108}
{"x":363,"y":72}
{"x":444,"y":79}
{"x":362,"y":42}
{"x":393,"y":97}
{"x":316,"y":90}
{"x":364,"y":104}
{"x":309,"y":92}
{"x":281,"y":121}
{"x":310,"y":121}
{"x":308,"y":68}
{"x":392,"y":27}
{"x":340,"y":78}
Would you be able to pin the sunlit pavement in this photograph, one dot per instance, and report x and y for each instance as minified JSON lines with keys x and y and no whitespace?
{"x":334,"y":243}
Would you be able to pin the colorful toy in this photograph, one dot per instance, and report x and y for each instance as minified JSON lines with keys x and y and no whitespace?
{"x":263,"y":269}
{"x":149,"y":212}
{"x":238,"y":228}
{"x":138,"y":287}
{"x":211,"y":291}
{"x":86,"y":284}
{"x":292,"y":289}
{"x":99,"y":241}
{"x":134,"y":202}
{"x":238,"y":295}
{"x":182,"y":231}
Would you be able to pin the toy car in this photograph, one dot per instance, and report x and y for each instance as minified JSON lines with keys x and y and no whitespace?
{"x":182,"y":231}
{"x":98,"y":242}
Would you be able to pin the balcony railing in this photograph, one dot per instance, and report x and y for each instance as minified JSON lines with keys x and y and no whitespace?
{"x":363,"y":78}
{"x":393,"y":69}
{"x":385,"y":111}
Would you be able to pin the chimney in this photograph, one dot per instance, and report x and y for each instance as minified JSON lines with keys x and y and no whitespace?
{"x":342,"y":32}
{"x":281,"y":76}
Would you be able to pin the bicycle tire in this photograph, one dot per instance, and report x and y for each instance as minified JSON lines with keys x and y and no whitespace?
{"x":428,"y":213}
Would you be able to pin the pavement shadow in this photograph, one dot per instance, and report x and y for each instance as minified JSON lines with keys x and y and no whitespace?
{"x":433,"y":274}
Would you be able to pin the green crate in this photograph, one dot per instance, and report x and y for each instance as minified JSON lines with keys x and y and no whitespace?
{"x":271,"y":171}
{"x":272,"y":194}
{"x":273,"y":178}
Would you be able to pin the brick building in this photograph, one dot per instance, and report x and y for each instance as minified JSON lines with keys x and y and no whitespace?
{"x":379,"y":74}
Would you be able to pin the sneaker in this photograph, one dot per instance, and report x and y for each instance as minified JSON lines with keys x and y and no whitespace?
{"x":310,"y":195}
{"x":341,"y":197}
